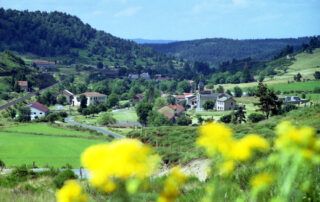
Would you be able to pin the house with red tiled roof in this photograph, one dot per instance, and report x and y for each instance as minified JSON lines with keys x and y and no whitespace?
{"x":23,"y":85}
{"x":92,"y":98}
{"x":37,"y":110}
{"x":171,"y":112}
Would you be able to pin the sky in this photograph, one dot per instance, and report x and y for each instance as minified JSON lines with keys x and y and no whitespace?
{"x":189,"y":19}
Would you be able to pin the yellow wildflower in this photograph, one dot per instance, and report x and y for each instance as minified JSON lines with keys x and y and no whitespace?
{"x":215,"y":137}
{"x":227,"y":167}
{"x":244,"y":147}
{"x":261,"y":181}
{"x":172,"y":185}
{"x":71,"y":192}
{"x":120,"y":159}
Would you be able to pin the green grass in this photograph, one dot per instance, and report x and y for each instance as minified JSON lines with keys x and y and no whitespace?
{"x":176,"y":144}
{"x":42,"y":128}
{"x":297,"y":86}
{"x":19,"y":148}
{"x":126,"y":115}
{"x":304,"y":63}
{"x":44,"y":144}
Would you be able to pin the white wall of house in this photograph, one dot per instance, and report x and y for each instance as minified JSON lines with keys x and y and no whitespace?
{"x":90,"y":100}
{"x":36,"y":114}
{"x":225,"y":105}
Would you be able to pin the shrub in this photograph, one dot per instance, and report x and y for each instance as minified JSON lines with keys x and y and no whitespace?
{"x":63,"y":176}
{"x":289,"y":107}
{"x":107,"y":119}
{"x":255,"y":117}
{"x":2,"y":165}
{"x":226,"y":118}
{"x":184,"y":121}
{"x":316,"y":90}
{"x":209,"y":104}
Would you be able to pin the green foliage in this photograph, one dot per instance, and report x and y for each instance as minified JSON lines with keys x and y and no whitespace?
{"x":209,"y":105}
{"x":143,"y":110}
{"x":62,"y":177}
{"x":226,"y":118}
{"x":2,"y":165}
{"x":289,"y":107}
{"x":112,"y":101}
{"x":184,"y":120}
{"x":56,"y":34}
{"x":184,"y":87}
{"x":255,"y":117}
{"x":269,"y":102}
{"x":157,"y":119}
{"x":237,"y":91}
{"x":317,"y":75}
{"x":24,"y":114}
{"x":106,"y":119}
{"x":219,"y":50}
{"x":239,"y":115}
{"x":47,"y":98}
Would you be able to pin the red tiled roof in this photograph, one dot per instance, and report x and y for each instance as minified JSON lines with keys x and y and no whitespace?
{"x":93,"y":94}
{"x":39,"y":106}
{"x":178,"y":108}
{"x":167,"y":112}
{"x":23,"y":83}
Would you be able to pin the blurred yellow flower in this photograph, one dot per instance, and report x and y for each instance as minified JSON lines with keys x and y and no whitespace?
{"x":172,"y":185}
{"x":218,"y":138}
{"x":227,"y":167}
{"x":215,"y":137}
{"x":71,"y":192}
{"x":244,"y":147}
{"x":298,"y":141}
{"x":261,"y":181}
{"x":120,"y":159}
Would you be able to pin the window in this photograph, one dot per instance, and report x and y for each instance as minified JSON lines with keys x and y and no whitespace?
{"x":34,"y":113}
{"x":40,"y":112}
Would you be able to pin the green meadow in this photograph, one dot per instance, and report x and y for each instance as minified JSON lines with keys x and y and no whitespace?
{"x":44,"y":144}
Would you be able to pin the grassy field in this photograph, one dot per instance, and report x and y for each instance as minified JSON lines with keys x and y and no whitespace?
{"x":297,"y":86}
{"x":304,"y":63}
{"x":125,"y":115}
{"x":176,"y":144}
{"x":44,"y":145}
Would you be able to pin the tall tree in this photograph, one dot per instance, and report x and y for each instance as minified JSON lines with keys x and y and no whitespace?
{"x":269,"y":102}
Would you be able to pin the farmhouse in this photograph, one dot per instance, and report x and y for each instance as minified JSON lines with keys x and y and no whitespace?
{"x":92,"y":98}
{"x":187,"y":98}
{"x":171,"y":112}
{"x":38,"y":110}
{"x":23,"y":85}
{"x":69,"y":96}
{"x":45,"y":65}
{"x":294,"y":100}
{"x":226,"y":101}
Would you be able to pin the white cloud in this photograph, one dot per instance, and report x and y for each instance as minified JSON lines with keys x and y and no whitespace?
{"x":128,"y":12}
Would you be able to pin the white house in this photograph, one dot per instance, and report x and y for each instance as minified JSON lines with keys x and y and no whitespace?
{"x":38,"y":110}
{"x":69,"y":96}
{"x":225,"y":103}
{"x":92,"y":98}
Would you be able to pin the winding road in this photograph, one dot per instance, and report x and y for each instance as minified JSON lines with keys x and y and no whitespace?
{"x":104,"y":131}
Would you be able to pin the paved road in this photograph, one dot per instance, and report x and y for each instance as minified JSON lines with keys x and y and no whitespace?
{"x":26,"y":97}
{"x":104,"y":131}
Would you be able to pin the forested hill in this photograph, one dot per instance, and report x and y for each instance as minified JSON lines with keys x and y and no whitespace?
{"x":66,"y":37}
{"x":218,"y":50}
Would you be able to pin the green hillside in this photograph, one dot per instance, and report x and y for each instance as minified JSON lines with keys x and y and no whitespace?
{"x":304,"y":63}
{"x":9,"y":62}
{"x":218,"y":50}
{"x":67,"y":39}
